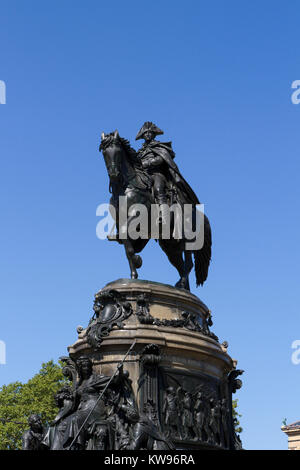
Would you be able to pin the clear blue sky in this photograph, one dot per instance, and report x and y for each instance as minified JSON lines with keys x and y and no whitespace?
{"x":216,"y":76}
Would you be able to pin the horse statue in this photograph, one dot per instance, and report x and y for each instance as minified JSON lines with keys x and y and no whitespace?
{"x":128,"y":179}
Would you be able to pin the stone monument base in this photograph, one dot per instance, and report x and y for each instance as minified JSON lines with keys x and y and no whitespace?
{"x":181,"y":376}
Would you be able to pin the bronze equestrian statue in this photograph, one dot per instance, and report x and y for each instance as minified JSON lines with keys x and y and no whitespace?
{"x":151,"y":178}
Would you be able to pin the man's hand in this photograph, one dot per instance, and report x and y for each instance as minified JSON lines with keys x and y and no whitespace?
{"x":146,"y":162}
{"x":153,"y":160}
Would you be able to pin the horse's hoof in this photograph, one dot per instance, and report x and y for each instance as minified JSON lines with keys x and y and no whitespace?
{"x":179,"y":284}
{"x":134,"y":275}
{"x":182,"y":284}
{"x":137,"y":260}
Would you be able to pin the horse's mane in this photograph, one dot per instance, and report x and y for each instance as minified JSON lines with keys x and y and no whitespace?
{"x":142,"y":180}
{"x":128,"y":149}
{"x":110,"y":139}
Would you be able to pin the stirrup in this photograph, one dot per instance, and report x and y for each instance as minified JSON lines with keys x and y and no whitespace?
{"x":161,"y":219}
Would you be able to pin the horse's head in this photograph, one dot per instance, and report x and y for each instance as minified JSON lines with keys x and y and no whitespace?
{"x":112,"y":150}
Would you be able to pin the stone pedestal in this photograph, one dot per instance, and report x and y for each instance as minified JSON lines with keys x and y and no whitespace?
{"x":182,"y":377}
{"x":293,"y":433}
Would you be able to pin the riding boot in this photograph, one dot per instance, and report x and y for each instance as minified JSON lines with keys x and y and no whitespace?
{"x":163,"y":209}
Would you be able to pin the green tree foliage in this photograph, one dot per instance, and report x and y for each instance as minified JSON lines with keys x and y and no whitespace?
{"x":18,"y":401}
{"x":236,"y":416}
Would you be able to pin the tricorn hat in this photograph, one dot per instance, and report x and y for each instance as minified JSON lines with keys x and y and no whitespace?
{"x":148,"y":126}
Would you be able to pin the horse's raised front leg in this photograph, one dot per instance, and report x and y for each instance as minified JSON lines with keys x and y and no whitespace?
{"x":135,"y":261}
{"x":131,"y":258}
{"x":132,"y":246}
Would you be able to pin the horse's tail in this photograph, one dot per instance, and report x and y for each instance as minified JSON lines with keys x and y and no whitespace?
{"x":202,"y":257}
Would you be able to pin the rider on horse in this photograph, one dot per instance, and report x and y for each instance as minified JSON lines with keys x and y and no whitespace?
{"x":157,"y":159}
